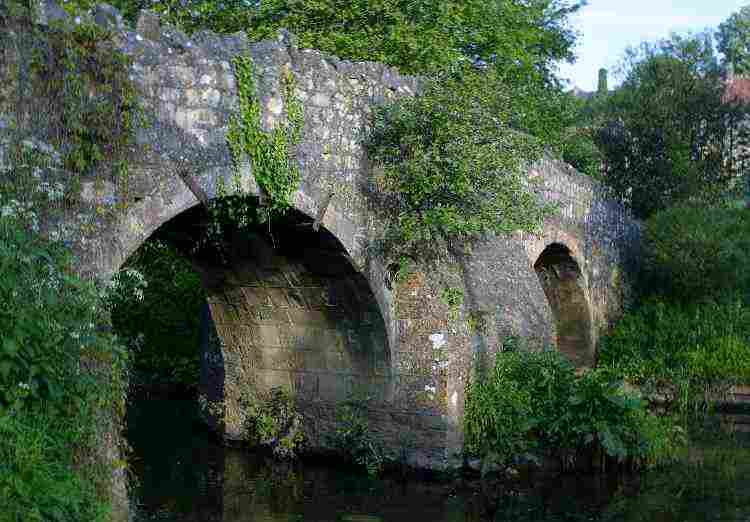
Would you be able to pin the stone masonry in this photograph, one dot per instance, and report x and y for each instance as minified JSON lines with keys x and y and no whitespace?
{"x":286,"y":318}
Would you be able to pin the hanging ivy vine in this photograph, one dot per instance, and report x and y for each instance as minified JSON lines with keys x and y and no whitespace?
{"x":269,"y":152}
{"x":97,"y":111}
{"x":90,"y":104}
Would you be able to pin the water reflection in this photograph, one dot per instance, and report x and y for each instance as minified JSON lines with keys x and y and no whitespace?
{"x":181,"y":475}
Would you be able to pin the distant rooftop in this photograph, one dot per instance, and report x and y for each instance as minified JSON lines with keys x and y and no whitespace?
{"x":737,"y":89}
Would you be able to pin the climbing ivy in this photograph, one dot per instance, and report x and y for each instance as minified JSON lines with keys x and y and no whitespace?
{"x":90,"y":103}
{"x":269,"y":152}
{"x":95,"y":112}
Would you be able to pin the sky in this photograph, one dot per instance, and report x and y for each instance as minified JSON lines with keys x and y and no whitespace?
{"x":608,"y":27}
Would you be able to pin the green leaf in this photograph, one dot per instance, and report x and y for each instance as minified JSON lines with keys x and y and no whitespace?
{"x":10,"y":347}
{"x":5,"y":368}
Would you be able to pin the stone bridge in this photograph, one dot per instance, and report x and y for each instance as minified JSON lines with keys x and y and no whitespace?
{"x":312,"y":308}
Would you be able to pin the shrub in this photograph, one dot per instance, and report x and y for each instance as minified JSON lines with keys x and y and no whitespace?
{"x":695,"y":253}
{"x":62,"y":380}
{"x":580,"y":151}
{"x":454,"y":165}
{"x":682,"y":354}
{"x":354,"y":438}
{"x":37,"y":479}
{"x":273,"y":422}
{"x":533,"y":401}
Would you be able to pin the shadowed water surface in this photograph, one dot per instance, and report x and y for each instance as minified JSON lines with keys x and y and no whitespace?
{"x":182,"y":475}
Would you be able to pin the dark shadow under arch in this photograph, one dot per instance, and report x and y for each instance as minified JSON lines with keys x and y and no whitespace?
{"x":563,"y":284}
{"x":289,"y":310}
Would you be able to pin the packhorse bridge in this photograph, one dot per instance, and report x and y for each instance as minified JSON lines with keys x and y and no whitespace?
{"x":310,"y":306}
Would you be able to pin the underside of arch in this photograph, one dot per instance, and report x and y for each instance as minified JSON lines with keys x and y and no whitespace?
{"x":290,"y":311}
{"x":562,"y":281}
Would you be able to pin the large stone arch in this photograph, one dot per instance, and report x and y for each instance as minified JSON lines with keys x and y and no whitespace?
{"x":293,"y":315}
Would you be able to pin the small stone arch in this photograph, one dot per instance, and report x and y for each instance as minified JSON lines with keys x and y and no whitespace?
{"x":564,"y":286}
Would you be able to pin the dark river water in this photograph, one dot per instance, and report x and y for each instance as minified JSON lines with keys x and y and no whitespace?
{"x":180,"y":474}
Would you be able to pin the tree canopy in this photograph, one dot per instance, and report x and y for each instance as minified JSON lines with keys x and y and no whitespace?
{"x":669,"y":134}
{"x":427,"y":35}
{"x":416,"y":36}
{"x":733,"y":40}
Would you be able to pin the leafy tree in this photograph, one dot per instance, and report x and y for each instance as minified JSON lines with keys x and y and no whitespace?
{"x":426,"y":35}
{"x":733,"y":40}
{"x":416,"y":36}
{"x":670,"y":134}
{"x":694,"y":253}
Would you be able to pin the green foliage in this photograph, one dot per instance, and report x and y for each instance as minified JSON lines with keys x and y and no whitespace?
{"x":669,"y":135}
{"x":454,"y":298}
{"x":685,"y":355}
{"x":604,"y":414}
{"x":696,"y":252}
{"x":158,"y":313}
{"x":62,"y":381}
{"x":273,"y":421}
{"x":37,"y":480}
{"x":269,"y":153}
{"x":476,"y":321}
{"x":415,"y":36}
{"x":354,"y":439}
{"x":23,"y":191}
{"x":533,"y":401}
{"x":404,"y":267}
{"x":733,"y":40}
{"x":453,"y":165}
{"x":53,"y":324}
{"x":497,"y":418}
{"x":579,"y":150}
